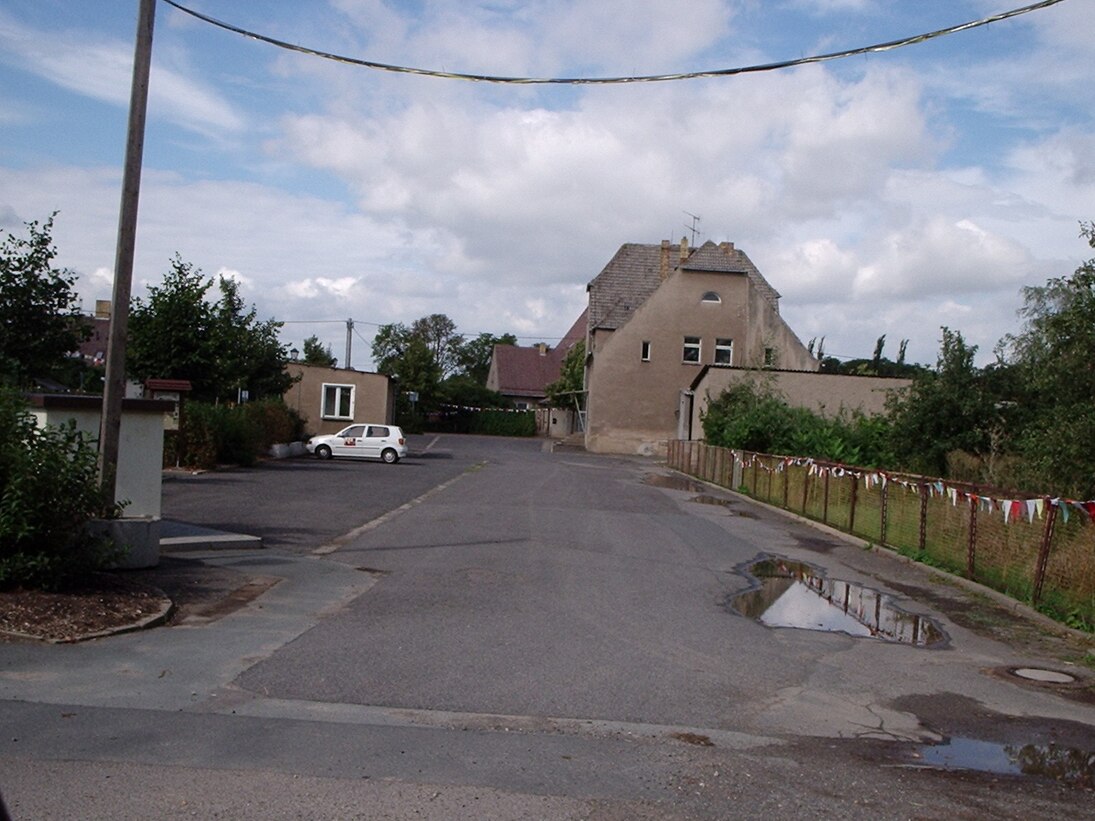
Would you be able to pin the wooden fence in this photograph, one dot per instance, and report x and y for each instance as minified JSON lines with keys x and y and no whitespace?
{"x":1040,"y":550}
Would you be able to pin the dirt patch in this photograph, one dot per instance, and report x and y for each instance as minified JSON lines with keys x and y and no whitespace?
{"x":102,"y":603}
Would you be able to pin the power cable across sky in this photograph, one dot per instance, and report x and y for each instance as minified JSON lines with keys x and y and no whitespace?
{"x":641,"y":78}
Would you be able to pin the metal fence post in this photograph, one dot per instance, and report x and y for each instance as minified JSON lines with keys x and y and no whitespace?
{"x":923,"y":516}
{"x":851,"y":513}
{"x":971,"y":549}
{"x":885,"y":493}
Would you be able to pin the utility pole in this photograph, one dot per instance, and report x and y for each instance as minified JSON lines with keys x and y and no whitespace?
{"x":349,"y":339}
{"x":114,"y":389}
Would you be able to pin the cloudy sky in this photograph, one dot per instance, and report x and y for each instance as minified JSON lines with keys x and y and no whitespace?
{"x":885,"y":194}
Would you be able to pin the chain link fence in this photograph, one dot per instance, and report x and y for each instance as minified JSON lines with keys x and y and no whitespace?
{"x":1039,"y":550}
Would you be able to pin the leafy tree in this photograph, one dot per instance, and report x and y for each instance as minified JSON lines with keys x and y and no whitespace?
{"x":316,"y":354}
{"x":946,"y":409}
{"x":40,"y":322}
{"x":562,"y":391}
{"x":1054,"y":358}
{"x":438,"y":333}
{"x":474,"y":357}
{"x":219,"y":347}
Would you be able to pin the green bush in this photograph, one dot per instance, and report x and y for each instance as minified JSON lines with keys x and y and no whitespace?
{"x":49,"y":491}
{"x":211,"y":435}
{"x":486,"y":422}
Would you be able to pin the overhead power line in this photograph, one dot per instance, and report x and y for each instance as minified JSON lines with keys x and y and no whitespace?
{"x":642,"y":78}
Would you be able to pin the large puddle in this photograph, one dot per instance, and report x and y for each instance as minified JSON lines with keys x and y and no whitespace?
{"x":793,"y":594}
{"x":1065,"y":764}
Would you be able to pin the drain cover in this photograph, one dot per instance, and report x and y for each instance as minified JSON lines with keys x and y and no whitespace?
{"x":1047,"y":676}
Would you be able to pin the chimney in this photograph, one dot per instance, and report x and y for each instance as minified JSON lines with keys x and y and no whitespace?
{"x":726,"y":247}
{"x":663,"y":270}
{"x":684,"y":249}
{"x":102,"y":308}
{"x":543,"y":348}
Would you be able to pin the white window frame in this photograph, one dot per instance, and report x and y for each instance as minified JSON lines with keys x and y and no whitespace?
{"x":724,"y":346}
{"x":332,"y":413}
{"x":696,"y":346}
{"x":644,"y":351}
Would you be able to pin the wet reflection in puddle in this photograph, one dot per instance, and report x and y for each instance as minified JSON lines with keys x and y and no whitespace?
{"x":1064,"y":764}
{"x":793,"y":594}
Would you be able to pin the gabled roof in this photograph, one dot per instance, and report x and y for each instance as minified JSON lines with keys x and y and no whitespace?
{"x":527,"y":371}
{"x":637,"y":270}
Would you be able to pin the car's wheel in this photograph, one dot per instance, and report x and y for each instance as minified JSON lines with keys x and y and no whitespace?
{"x":323,"y":452}
{"x":389,"y":456}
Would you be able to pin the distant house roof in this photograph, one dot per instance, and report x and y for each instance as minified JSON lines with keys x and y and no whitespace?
{"x":527,"y":371}
{"x":637,"y":270}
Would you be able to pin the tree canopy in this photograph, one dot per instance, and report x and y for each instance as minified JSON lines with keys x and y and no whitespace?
{"x":315,"y":353}
{"x":220,"y":347}
{"x":40,"y":321}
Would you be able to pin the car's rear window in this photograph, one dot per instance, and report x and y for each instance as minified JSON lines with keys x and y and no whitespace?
{"x":377,"y":431}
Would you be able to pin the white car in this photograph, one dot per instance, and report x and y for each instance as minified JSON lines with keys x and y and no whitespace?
{"x":384,"y":442}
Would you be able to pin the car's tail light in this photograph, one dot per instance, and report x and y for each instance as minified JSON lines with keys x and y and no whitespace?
{"x":401,"y":441}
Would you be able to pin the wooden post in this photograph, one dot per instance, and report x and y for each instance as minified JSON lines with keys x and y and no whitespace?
{"x":923,"y":516}
{"x":110,"y":423}
{"x":971,"y":548}
{"x":851,"y":513}
{"x":885,"y":512}
{"x":1043,"y":553}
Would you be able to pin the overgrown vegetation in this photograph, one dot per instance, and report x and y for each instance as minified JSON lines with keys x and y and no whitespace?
{"x":219,"y":346}
{"x":40,"y":322}
{"x":49,"y":491}
{"x":1025,"y":421}
{"x":211,"y":435}
{"x":487,"y":422}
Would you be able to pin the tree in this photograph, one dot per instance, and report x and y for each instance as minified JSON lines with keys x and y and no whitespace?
{"x":220,"y":347}
{"x":316,"y":354}
{"x":1054,"y":358}
{"x":474,"y":356}
{"x":946,"y":409}
{"x":563,"y":391}
{"x":438,"y":333}
{"x":40,"y":322}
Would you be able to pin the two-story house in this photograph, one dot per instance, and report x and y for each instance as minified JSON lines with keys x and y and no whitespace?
{"x":657,"y":315}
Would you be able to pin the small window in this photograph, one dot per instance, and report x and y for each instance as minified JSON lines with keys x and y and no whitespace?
{"x":645,"y":356}
{"x":692,"y":349}
{"x":724,"y":351}
{"x":711,"y":296}
{"x":769,"y":357}
{"x":338,"y":402}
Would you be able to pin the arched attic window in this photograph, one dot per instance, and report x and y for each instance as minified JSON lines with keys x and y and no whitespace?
{"x":712,"y":297}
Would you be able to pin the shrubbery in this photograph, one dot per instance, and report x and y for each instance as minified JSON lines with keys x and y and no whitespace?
{"x":211,"y":435}
{"x":487,"y":422}
{"x":752,"y":417}
{"x":49,"y":491}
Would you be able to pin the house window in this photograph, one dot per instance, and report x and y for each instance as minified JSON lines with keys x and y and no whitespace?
{"x":692,"y":349}
{"x":338,"y":402}
{"x":769,"y":357}
{"x":645,"y":356}
{"x":724,"y":351}
{"x":711,"y":296}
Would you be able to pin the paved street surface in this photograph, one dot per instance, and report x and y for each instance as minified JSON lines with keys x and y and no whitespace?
{"x":493,"y":630}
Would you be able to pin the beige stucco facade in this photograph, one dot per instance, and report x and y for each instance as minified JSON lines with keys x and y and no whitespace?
{"x":329,"y":399}
{"x":636,"y":371}
{"x":828,"y":394}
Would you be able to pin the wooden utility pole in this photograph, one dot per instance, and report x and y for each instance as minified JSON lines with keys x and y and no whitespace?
{"x":114,"y":389}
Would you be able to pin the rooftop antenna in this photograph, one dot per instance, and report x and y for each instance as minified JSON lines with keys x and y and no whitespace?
{"x":692,"y":227}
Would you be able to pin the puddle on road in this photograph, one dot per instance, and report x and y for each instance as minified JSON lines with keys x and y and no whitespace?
{"x":793,"y":594}
{"x":673,"y":483}
{"x":1065,"y":764}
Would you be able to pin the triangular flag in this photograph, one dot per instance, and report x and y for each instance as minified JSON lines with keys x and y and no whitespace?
{"x":1032,"y":508}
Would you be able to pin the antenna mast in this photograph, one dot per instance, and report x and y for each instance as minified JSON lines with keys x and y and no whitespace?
{"x":693,"y":227}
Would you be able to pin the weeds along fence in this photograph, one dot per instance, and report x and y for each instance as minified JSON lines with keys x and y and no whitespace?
{"x":1039,"y":550}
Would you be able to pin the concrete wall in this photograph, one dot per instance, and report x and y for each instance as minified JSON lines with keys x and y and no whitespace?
{"x":374,"y":396}
{"x":633,"y":405}
{"x":140,"y":443}
{"x":824,"y":393}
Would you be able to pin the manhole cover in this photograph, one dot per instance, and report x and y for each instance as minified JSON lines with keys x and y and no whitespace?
{"x":1046,"y":676}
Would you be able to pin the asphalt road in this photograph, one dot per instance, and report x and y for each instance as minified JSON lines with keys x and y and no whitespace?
{"x":493,"y":630}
